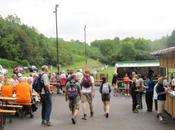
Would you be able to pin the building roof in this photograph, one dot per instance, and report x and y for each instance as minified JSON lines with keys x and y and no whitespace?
{"x":151,"y":63}
{"x":166,"y":51}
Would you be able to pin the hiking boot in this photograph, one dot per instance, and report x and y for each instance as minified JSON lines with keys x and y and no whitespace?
{"x":73,"y":120}
{"x":107,"y":115}
{"x":84,"y":117}
{"x":92,"y":114}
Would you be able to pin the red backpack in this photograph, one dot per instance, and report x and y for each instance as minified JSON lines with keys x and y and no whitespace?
{"x":86,"y":82}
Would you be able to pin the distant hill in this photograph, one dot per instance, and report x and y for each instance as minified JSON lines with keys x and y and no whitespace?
{"x":26,"y":45}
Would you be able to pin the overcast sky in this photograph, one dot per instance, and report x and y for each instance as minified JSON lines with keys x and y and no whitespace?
{"x":149,"y":19}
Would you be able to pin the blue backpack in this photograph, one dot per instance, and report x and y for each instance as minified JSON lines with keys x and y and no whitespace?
{"x":38,"y":84}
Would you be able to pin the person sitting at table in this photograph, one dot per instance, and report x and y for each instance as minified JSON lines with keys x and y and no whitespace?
{"x":23,"y":95}
{"x":7,"y":88}
{"x":14,"y":80}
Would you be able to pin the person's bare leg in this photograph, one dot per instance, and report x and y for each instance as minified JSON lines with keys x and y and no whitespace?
{"x":84,"y":107}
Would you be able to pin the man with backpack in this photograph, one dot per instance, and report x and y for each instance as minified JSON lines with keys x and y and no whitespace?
{"x":88,"y":93}
{"x":73,"y":94}
{"x":46,"y":98}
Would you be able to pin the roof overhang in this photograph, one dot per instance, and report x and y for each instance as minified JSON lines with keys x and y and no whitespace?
{"x":166,"y":51}
{"x":137,"y":64}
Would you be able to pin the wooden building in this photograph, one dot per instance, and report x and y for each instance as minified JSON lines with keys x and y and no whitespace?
{"x":167,"y":60}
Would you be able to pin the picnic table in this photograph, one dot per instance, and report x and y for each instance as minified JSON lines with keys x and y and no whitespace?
{"x":4,"y":109}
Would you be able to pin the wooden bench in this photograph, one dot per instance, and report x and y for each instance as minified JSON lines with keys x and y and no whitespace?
{"x":3,"y":113}
{"x":11,"y":106}
{"x":26,"y":105}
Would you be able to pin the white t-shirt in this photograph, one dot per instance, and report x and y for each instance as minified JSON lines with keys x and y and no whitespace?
{"x":155,"y":93}
{"x":88,"y":90}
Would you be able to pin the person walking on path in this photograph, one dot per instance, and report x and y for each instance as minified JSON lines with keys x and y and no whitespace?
{"x":134,"y":93}
{"x":155,"y":97}
{"x":115,"y":84}
{"x":149,"y":94}
{"x":126,"y":84}
{"x":73,"y":94}
{"x":105,"y":90}
{"x":88,"y":93}
{"x":46,"y":98}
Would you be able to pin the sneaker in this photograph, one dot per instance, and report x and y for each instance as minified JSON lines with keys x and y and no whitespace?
{"x":48,"y":123}
{"x":43,"y":122}
{"x":73,"y":121}
{"x":107,"y":115}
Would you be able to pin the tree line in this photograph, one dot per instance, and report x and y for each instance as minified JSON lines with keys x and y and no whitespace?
{"x":25,"y":45}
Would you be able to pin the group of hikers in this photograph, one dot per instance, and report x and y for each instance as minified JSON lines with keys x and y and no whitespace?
{"x":135,"y":86}
{"x":80,"y":87}
{"x":76,"y":86}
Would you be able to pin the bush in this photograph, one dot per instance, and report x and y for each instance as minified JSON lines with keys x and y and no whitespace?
{"x":8,"y":63}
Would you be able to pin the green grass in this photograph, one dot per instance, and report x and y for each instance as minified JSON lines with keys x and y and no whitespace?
{"x":109,"y":71}
{"x":92,"y":64}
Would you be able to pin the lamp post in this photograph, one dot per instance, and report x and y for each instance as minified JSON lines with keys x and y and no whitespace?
{"x":85,"y":44}
{"x":56,"y":6}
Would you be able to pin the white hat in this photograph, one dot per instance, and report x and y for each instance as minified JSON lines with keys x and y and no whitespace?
{"x":19,"y":74}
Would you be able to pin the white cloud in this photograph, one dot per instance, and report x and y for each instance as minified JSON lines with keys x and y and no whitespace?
{"x":104,"y":18}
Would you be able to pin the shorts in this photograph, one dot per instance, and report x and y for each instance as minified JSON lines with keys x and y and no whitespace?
{"x":115,"y":90}
{"x":105,"y":97}
{"x":74,"y":104}
{"x":86,"y":97}
{"x":126,"y":86}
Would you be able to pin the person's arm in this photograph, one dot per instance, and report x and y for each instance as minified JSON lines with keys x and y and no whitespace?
{"x":79,"y":89}
{"x":100,"y":90}
{"x":46,"y":82}
{"x":93,"y":85}
{"x":66,"y":95}
{"x":30,"y":91}
{"x":109,"y":88}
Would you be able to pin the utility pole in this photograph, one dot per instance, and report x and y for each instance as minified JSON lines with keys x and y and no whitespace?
{"x":85,"y":44}
{"x":58,"y":65}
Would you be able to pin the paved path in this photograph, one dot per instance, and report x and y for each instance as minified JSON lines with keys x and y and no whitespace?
{"x":121,"y":118}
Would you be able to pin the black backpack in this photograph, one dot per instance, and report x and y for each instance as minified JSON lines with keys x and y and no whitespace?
{"x":38,"y":84}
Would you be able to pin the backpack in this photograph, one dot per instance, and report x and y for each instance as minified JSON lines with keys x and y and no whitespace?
{"x":38,"y":84}
{"x":72,"y":90}
{"x":105,"y":88}
{"x":86,"y":82}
